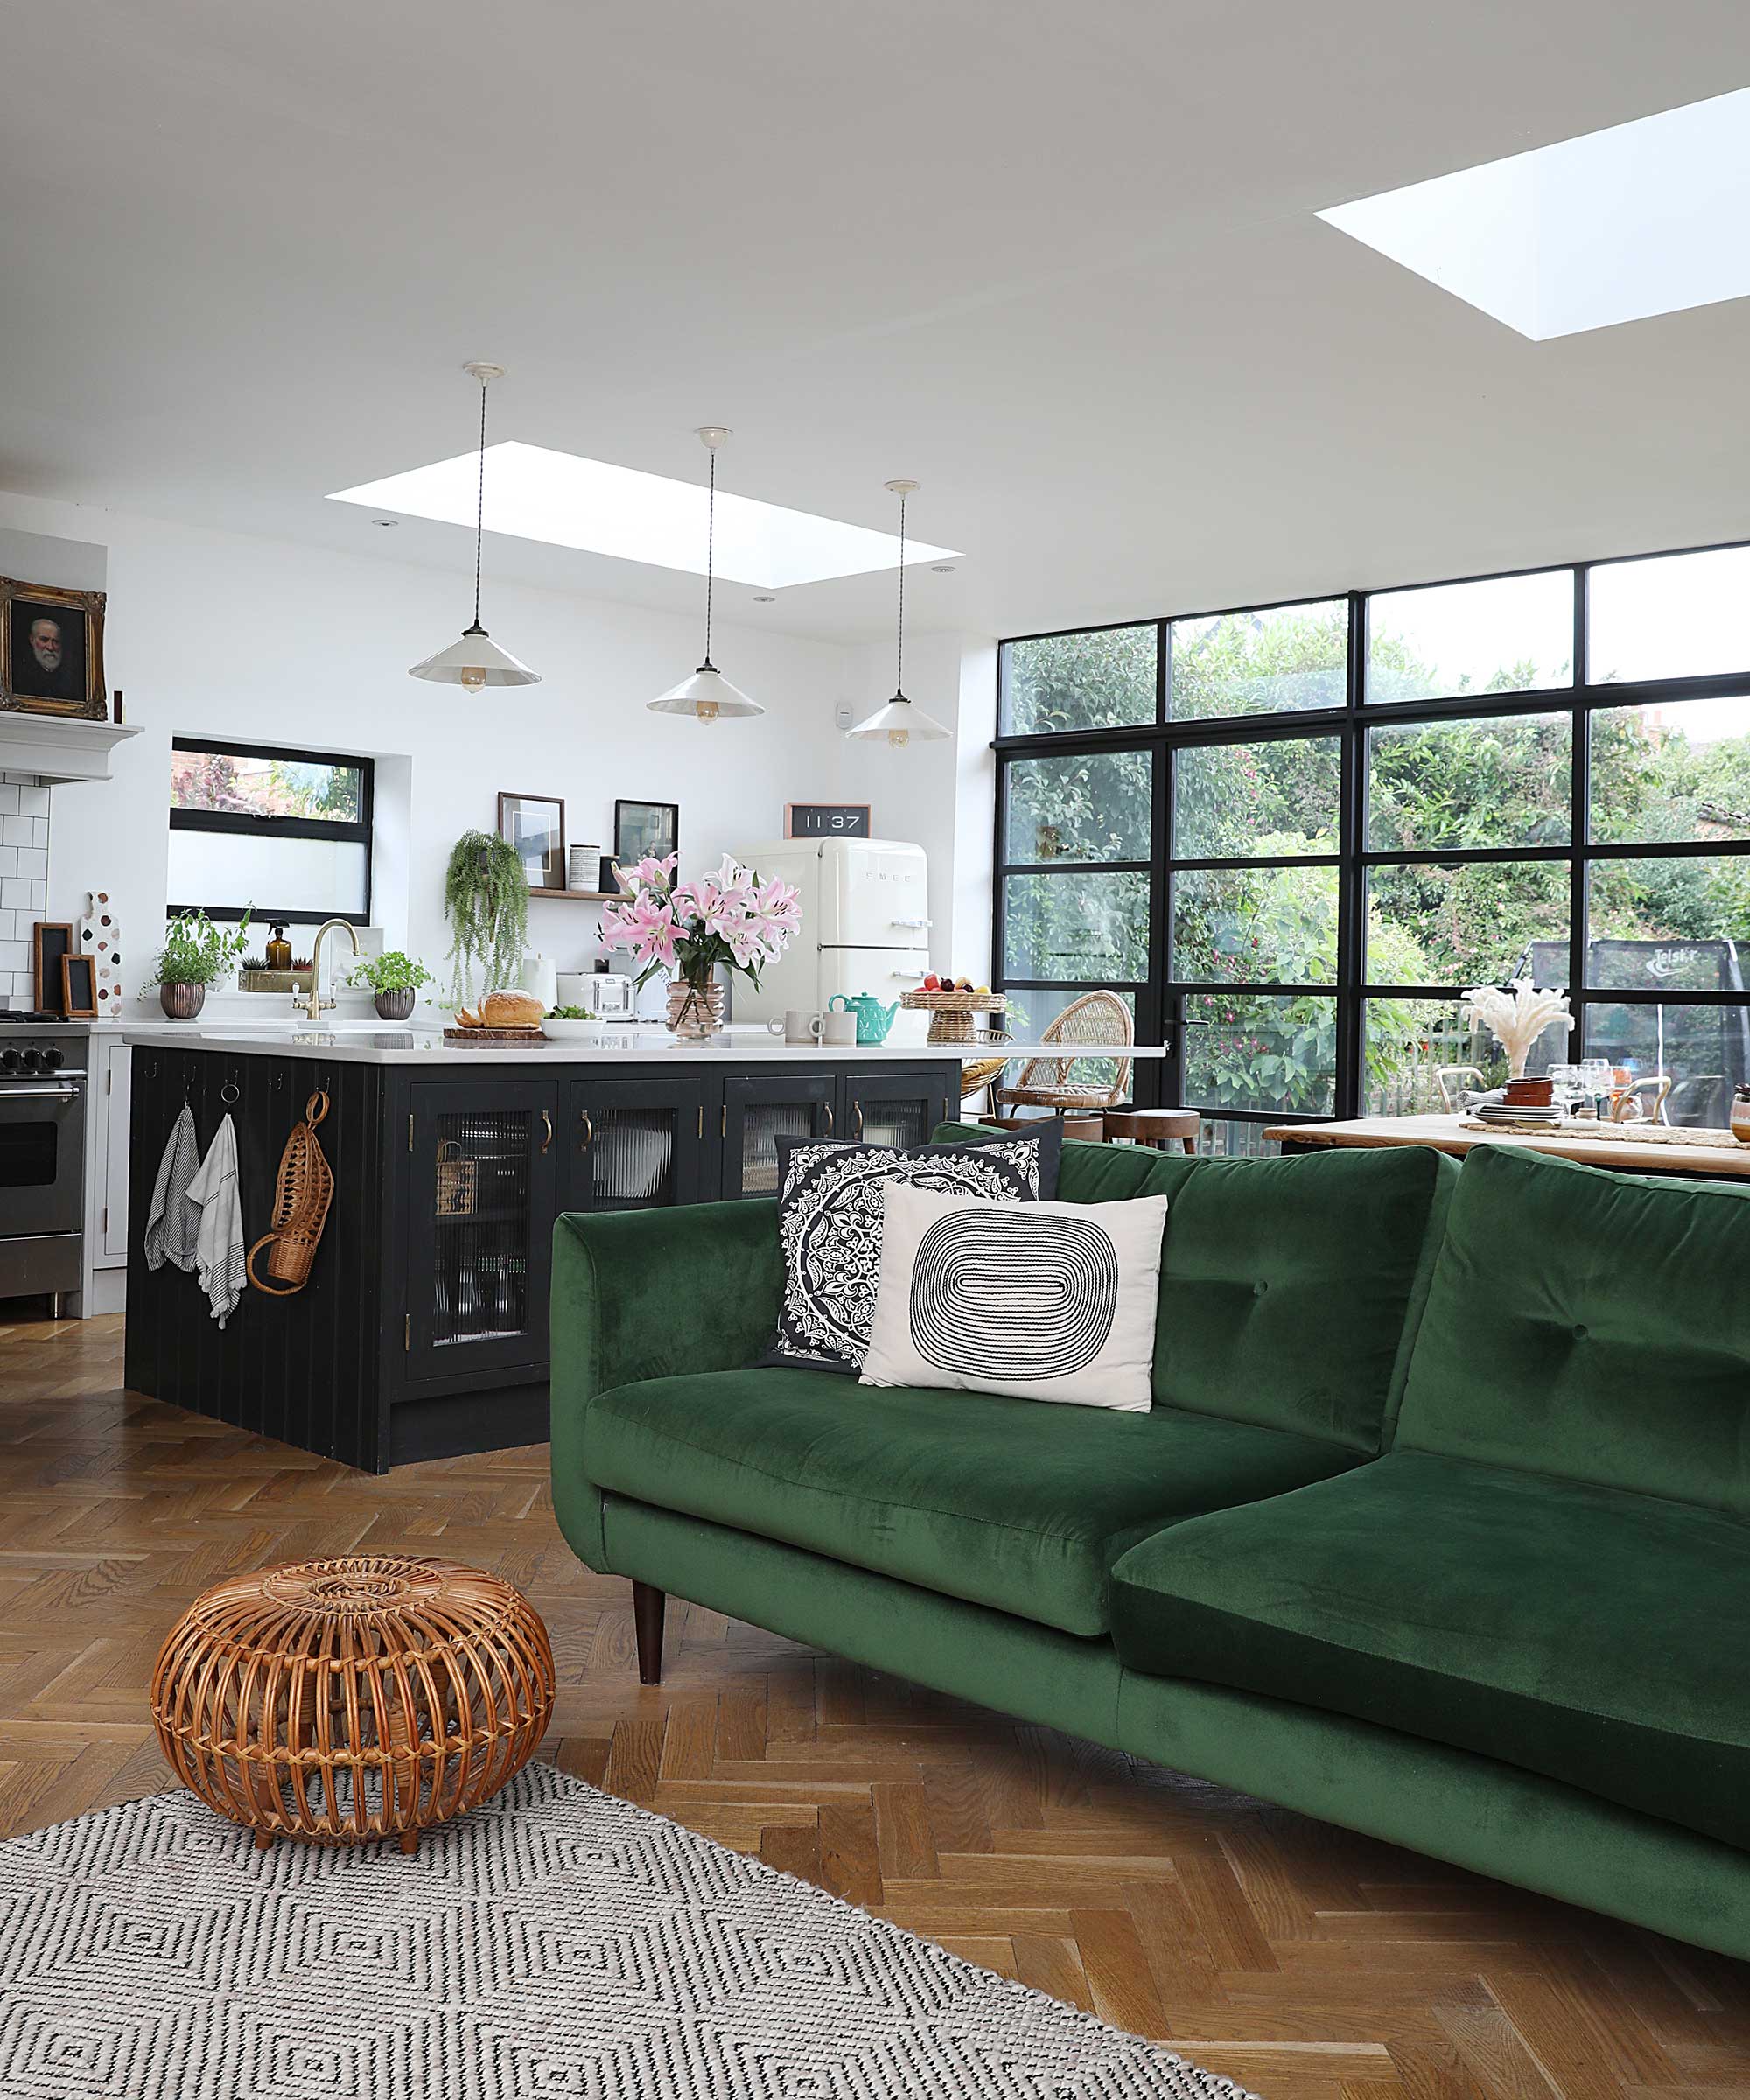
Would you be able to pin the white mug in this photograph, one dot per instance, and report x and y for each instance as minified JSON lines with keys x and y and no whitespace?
{"x":801,"y":1027}
{"x":839,"y":1030}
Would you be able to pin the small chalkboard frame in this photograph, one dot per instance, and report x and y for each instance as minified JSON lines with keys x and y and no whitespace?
{"x":79,"y":987}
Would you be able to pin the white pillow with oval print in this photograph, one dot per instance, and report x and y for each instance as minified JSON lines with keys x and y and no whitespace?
{"x":1046,"y":1301}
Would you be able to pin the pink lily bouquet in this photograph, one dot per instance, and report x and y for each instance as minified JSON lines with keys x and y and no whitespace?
{"x":729,"y":916}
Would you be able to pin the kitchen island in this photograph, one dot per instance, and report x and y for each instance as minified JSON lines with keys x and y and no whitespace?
{"x":422,"y":1330}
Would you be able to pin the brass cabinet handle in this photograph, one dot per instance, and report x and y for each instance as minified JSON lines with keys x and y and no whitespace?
{"x":858,"y":1131}
{"x":589,"y":1131}
{"x":827,"y":1106}
{"x":547,"y":1124}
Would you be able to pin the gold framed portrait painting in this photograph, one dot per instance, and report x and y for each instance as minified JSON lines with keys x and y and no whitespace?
{"x":52,"y":650}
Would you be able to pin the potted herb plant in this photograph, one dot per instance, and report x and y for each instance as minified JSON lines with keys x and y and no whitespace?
{"x":486,"y":899}
{"x":196,"y":953}
{"x":395,"y":979}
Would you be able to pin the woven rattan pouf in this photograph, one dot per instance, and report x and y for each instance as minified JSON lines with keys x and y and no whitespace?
{"x":346,"y":1700}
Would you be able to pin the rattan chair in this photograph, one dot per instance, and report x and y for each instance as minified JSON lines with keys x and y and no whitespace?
{"x":1050,"y":1082}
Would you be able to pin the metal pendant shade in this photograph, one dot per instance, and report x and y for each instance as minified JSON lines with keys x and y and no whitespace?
{"x":707,"y":695}
{"x":899,"y":719}
{"x":476,"y":661}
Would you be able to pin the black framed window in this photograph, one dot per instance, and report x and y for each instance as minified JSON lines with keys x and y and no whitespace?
{"x":283,"y":834}
{"x":1338,"y":815}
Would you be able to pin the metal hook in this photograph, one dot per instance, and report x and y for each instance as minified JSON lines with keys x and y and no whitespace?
{"x":230,"y":1091}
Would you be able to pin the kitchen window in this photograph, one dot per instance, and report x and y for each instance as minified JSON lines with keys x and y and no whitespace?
{"x":1339,"y":815}
{"x":283,"y":835}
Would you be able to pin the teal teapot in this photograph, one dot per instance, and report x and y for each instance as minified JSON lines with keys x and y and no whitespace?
{"x":873,"y":1019}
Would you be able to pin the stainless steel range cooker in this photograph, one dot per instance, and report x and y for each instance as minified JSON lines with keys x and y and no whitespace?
{"x":42,"y":1157}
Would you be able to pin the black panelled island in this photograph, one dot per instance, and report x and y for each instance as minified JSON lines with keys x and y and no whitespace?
{"x":422,"y":1330}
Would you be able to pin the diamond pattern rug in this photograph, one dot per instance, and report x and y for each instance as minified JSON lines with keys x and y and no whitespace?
{"x":557,"y":1944}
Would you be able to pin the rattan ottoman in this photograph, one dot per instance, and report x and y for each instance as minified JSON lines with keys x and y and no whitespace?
{"x":340,"y":1701}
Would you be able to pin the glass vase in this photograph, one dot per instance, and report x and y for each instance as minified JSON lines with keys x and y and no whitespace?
{"x":695,"y":1010}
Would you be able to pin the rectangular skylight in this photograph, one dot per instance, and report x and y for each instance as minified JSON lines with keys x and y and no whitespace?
{"x":1646,"y":218}
{"x":533,"y":493}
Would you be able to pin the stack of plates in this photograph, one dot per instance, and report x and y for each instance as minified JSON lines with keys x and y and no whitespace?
{"x":1530,"y":1118}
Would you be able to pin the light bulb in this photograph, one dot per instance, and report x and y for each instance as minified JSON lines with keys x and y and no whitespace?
{"x":473,"y":679}
{"x":705,"y":710}
{"x":899,"y":738}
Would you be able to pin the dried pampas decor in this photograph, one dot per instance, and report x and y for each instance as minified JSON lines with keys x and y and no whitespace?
{"x":1515,"y":1015}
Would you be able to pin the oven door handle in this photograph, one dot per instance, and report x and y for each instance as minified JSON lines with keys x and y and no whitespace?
{"x":39,"y":1093}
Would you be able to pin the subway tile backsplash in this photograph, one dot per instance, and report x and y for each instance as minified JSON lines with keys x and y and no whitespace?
{"x":24,"y":881}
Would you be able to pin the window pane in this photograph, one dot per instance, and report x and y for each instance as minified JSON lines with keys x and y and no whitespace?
{"x":1473,"y":923}
{"x":1494,"y":783}
{"x":303,"y":878}
{"x":1410,"y":1042}
{"x":1258,"y":926}
{"x":246,"y":786}
{"x":1681,"y":924}
{"x":1510,"y":635}
{"x":1271,"y":799}
{"x":1261,"y":662}
{"x":1681,"y":616}
{"x":1092,"y":807}
{"x":1680,"y":770}
{"x":1033,"y":1010}
{"x":1069,"y":927}
{"x":1102,"y":680}
{"x":1261,"y":1051}
{"x":1705,"y":1051}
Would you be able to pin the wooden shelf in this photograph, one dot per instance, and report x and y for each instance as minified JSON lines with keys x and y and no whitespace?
{"x":581,"y":896}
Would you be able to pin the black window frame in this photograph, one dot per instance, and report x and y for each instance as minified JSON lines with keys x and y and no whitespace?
{"x":1161,"y":1001}
{"x":357,"y":830}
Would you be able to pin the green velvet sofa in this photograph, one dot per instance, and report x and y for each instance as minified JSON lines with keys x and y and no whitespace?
{"x":1437,"y":1528}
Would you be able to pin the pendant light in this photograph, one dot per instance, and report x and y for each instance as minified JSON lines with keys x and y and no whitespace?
{"x":476,"y":661}
{"x":707,"y":694}
{"x":900,"y":721}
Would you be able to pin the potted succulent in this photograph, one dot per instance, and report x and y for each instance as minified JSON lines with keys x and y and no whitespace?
{"x":728,"y":919}
{"x":395,"y":979}
{"x":196,"y":953}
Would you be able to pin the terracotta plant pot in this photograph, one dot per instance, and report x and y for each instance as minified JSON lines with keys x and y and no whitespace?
{"x":396,"y":1005}
{"x":182,"y":1002}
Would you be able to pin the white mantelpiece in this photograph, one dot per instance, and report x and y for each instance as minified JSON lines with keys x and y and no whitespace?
{"x":57,"y":749}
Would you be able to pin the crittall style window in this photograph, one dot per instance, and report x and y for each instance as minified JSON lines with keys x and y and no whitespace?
{"x":1292,"y":835}
{"x":284,"y":833}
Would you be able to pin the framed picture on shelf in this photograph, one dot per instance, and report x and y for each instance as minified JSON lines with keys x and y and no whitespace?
{"x":533,"y":826}
{"x":51,"y":651}
{"x":50,"y":944}
{"x":79,"y":988}
{"x":642,"y":830}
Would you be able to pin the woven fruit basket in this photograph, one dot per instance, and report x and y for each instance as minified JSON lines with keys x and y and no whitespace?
{"x":953,"y":1014}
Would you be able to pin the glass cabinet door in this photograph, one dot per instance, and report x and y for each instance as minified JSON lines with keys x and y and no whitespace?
{"x":884,"y":1107}
{"x":634,"y":1144}
{"x":758,"y":1109}
{"x":480,"y":1236}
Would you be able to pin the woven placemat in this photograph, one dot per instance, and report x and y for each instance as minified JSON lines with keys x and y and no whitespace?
{"x":1613,"y":1133}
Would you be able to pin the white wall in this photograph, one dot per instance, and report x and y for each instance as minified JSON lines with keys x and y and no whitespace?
{"x":215,"y":634}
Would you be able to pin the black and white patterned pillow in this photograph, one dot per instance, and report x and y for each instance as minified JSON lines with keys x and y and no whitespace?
{"x":829,"y":1211}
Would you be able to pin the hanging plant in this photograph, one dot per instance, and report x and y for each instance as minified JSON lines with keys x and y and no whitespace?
{"x":486,"y":899}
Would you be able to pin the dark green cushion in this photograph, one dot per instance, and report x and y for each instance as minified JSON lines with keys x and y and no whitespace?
{"x":1290,"y":1289}
{"x":1590,"y":1325}
{"x":1015,"y":1504}
{"x":1595,"y":1636}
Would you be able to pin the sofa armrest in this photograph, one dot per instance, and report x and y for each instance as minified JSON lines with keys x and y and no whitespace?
{"x":651,"y":1294}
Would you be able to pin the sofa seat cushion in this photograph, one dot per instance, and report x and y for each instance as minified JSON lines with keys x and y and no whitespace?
{"x":999,"y":1501}
{"x":1592,"y":1634}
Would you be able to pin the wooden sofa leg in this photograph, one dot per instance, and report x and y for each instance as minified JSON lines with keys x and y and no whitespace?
{"x":647,"y":1603}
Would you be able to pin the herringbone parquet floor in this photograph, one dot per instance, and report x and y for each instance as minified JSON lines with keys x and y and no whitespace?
{"x":1299,"y":1960}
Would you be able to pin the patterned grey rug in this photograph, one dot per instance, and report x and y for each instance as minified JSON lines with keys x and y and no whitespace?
{"x":558,"y":1944}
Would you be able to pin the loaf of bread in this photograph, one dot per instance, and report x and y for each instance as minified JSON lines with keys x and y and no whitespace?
{"x":510,"y":1010}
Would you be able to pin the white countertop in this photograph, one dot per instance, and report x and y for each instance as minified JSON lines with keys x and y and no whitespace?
{"x":361,"y":1044}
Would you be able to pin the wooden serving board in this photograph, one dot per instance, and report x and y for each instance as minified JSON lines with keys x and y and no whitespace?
{"x":496,"y":1035}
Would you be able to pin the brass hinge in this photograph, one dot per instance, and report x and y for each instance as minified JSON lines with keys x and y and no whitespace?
{"x":410,"y":1129}
{"x":407,"y":1330}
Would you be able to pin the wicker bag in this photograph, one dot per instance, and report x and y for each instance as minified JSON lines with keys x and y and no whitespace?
{"x":303,"y":1190}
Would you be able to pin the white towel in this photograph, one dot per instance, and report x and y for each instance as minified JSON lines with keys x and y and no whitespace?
{"x":219,"y":1243}
{"x":173,"y":1221}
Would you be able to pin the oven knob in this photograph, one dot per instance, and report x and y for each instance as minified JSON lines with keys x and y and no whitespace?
{"x":8,"y":1061}
{"x":30,"y":1061}
{"x":51,"y":1059}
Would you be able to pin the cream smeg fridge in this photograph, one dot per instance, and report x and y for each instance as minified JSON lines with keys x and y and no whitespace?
{"x":865,"y":925}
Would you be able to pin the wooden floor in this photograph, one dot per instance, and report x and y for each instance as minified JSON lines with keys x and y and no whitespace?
{"x":1296,"y":1960}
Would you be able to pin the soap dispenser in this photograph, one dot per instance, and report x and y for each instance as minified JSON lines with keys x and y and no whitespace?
{"x":279,"y":950}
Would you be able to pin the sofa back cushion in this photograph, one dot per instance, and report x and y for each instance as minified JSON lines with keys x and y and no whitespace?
{"x":1290,"y":1289}
{"x":1592,"y":1326}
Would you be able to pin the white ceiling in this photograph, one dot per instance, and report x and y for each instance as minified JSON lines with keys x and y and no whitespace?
{"x":1059,"y":262}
